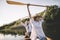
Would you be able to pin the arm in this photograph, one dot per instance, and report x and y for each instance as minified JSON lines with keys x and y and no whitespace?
{"x":43,"y":16}
{"x":31,"y":19}
{"x":29,"y":10}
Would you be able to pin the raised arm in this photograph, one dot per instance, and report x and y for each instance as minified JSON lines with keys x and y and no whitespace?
{"x":43,"y":16}
{"x":29,"y":10}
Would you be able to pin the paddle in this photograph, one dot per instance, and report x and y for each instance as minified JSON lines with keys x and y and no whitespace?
{"x":20,"y":3}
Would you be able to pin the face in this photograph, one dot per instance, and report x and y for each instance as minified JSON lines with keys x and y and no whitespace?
{"x":38,"y":18}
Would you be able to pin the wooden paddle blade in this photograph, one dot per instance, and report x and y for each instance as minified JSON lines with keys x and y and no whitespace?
{"x":15,"y":3}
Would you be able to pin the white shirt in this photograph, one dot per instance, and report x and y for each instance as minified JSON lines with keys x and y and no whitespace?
{"x":37,"y":29}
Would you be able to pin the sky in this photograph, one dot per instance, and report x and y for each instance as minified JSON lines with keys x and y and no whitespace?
{"x":10,"y":13}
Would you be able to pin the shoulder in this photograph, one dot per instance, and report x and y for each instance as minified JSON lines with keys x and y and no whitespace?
{"x":31,"y":20}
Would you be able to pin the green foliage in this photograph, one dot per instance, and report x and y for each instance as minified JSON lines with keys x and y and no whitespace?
{"x":13,"y":28}
{"x":26,"y":19}
{"x":52,"y":23}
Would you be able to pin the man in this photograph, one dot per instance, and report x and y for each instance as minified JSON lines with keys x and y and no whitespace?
{"x":37,"y":30}
{"x":36,"y":23}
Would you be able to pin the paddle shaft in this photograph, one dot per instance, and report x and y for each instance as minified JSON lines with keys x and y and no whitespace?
{"x":28,"y":10}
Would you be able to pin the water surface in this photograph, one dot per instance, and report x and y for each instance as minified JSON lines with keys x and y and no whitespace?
{"x":11,"y":37}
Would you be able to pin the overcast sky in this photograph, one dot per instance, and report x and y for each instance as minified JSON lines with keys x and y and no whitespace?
{"x":10,"y":13}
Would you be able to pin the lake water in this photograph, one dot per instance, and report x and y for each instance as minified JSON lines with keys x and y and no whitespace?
{"x":11,"y":37}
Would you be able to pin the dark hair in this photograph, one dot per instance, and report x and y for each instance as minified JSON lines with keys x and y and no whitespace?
{"x":36,"y":17}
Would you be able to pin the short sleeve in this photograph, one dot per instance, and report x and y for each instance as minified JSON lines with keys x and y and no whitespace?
{"x":31,"y":20}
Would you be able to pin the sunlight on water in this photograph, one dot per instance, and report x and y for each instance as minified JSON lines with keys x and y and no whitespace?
{"x":14,"y":37}
{"x":11,"y":37}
